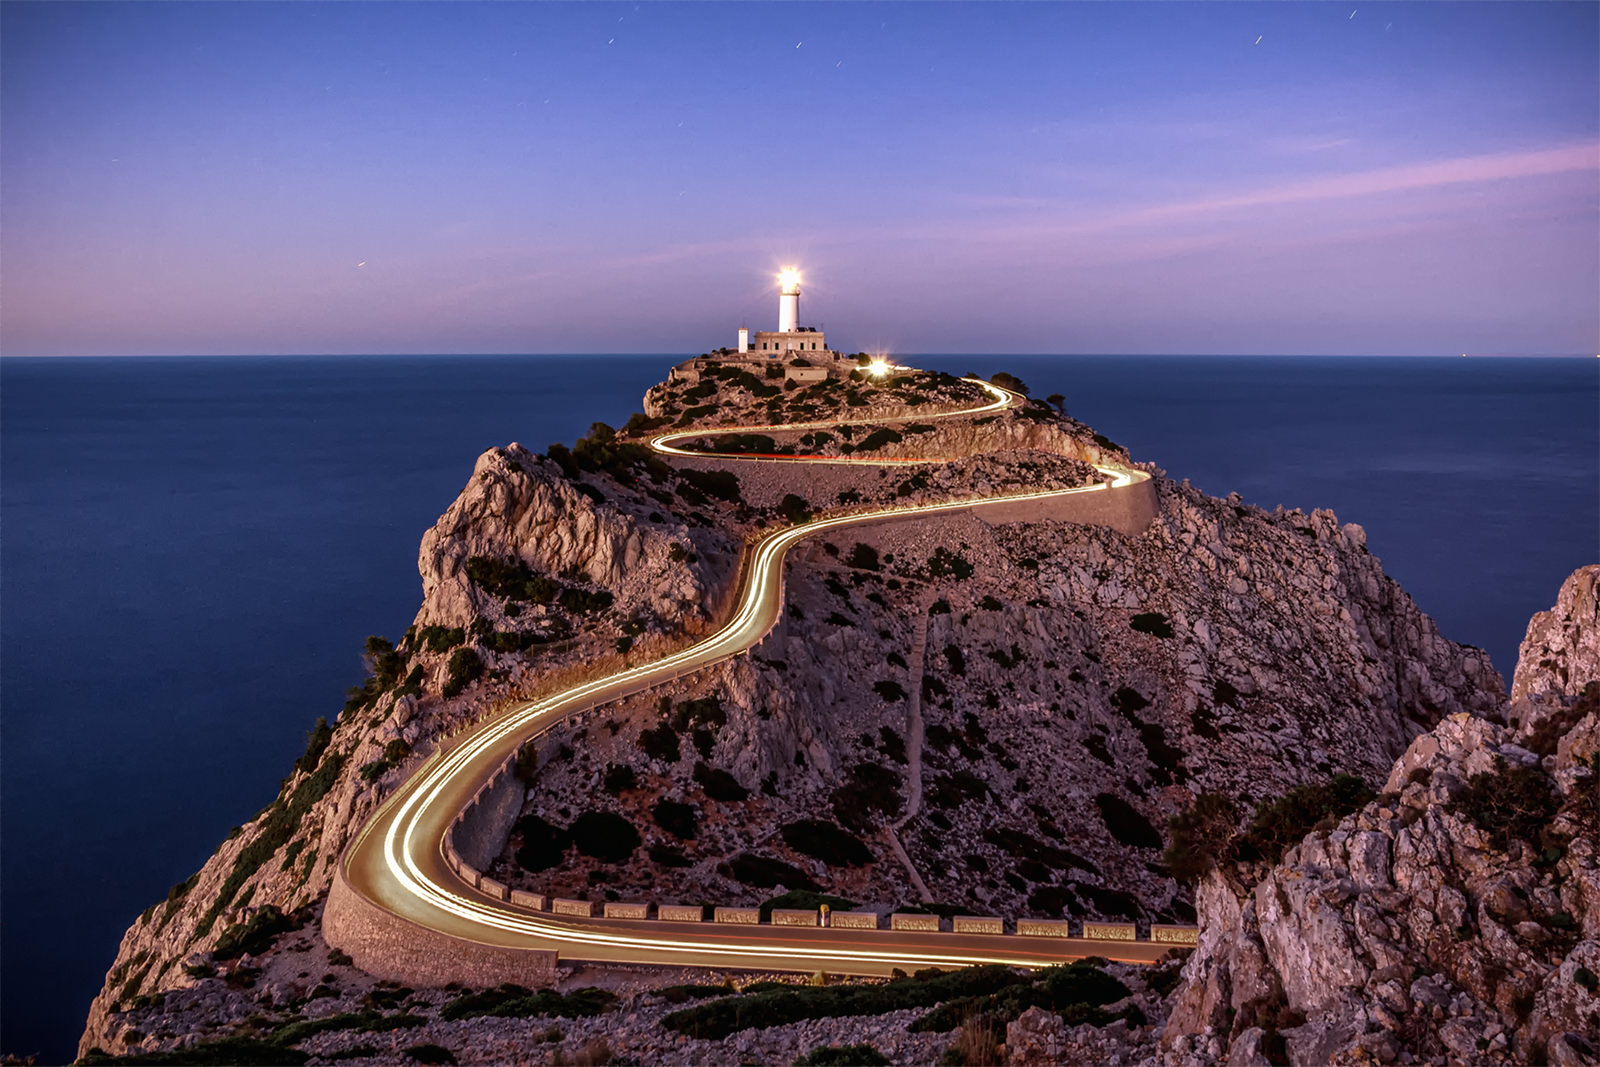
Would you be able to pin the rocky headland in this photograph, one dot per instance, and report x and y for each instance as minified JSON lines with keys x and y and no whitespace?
{"x":956,"y":716}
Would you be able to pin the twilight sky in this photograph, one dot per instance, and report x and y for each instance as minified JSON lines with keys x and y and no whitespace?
{"x":1076,"y":177}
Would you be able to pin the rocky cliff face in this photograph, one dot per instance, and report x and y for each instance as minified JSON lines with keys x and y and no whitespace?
{"x":1455,"y":918}
{"x":1074,"y":687}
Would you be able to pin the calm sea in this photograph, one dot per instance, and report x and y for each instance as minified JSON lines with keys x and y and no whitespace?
{"x":192,"y":550}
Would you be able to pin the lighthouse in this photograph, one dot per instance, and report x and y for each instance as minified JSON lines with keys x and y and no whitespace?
{"x":790,"y":336}
{"x":789,"y":301}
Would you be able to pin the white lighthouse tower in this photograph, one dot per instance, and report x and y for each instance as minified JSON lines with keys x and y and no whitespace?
{"x":789,"y":301}
{"x":790,"y":336}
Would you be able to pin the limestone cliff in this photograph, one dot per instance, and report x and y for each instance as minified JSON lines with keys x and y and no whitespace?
{"x":1456,"y":916}
{"x":1074,"y":687}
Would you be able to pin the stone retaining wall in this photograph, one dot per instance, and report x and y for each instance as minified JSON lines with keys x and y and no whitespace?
{"x":396,"y":950}
{"x":737,"y":915}
{"x":853,"y":920}
{"x":1175,"y":935}
{"x":1044,"y":928}
{"x":978,"y":924}
{"x":620,"y":910}
{"x":1128,"y":509}
{"x":903,"y":921}
{"x":580,"y":908}
{"x":483,"y":827}
{"x":680,"y":913}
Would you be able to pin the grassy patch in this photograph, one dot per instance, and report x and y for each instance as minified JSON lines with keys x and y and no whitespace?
{"x":255,"y":935}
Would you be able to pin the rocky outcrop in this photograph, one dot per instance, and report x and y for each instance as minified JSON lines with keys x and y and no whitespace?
{"x":1456,"y":916}
{"x":1080,"y":686}
{"x":1561,"y":652}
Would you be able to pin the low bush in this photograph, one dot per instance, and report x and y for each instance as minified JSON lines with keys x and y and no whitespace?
{"x":679,"y":820}
{"x":717,"y":1019}
{"x":660,"y":743}
{"x":765,"y":873}
{"x":515,"y":1002}
{"x":1508,"y":803}
{"x":894,"y":746}
{"x":805,"y":899}
{"x":889,"y":690}
{"x":1153,"y":623}
{"x":706,"y":711}
{"x":544,"y":845}
{"x":316,"y":744}
{"x":878,"y":438}
{"x":1202,"y":838}
{"x":605,"y":836}
{"x":1287,"y":820}
{"x":431,"y":1054}
{"x":825,"y":841}
{"x":1054,"y":901}
{"x":253,"y":936}
{"x":723,"y":485}
{"x":1009,"y":381}
{"x":1126,"y":823}
{"x":666,"y":855}
{"x":227,"y":1050}
{"x":719,"y":784}
{"x":863,"y":557}
{"x":794,"y":508}
{"x":958,"y":662}
{"x":871,"y":789}
{"x":943,"y":562}
{"x":465,"y":668}
{"x":1025,"y":846}
{"x":1073,"y":990}
{"x":619,"y":778}
{"x":859,"y":1055}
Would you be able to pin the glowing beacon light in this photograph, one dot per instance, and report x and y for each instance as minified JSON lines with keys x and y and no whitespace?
{"x":877,"y":368}
{"x":789,"y":300}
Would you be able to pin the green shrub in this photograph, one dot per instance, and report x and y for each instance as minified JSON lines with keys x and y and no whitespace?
{"x":669,"y":856}
{"x":1026,"y":846}
{"x":1508,"y":803}
{"x":706,"y":711}
{"x":807,"y":900}
{"x":619,"y":778}
{"x":316,"y":744}
{"x":958,"y":662}
{"x":1009,"y":381}
{"x":1201,"y":838}
{"x":276,"y":829}
{"x":859,"y":1055}
{"x":441,"y":638}
{"x":660,"y":743}
{"x":396,"y":750}
{"x":717,"y":1019}
{"x":724,"y":485}
{"x":679,"y":820}
{"x":1126,"y":823}
{"x":794,"y":508}
{"x":227,"y":1050}
{"x":878,"y":438}
{"x":764,"y":872}
{"x":253,"y":936}
{"x":719,"y":784}
{"x":1153,"y":623}
{"x":870,"y":789}
{"x":544,"y":845}
{"x":515,"y":1002}
{"x":432,"y":1054}
{"x":825,"y":841}
{"x":371,"y":772}
{"x":863,"y":557}
{"x":583,"y":601}
{"x":465,"y":668}
{"x":1054,"y":901}
{"x":605,"y":836}
{"x":890,"y":690}
{"x":1286,"y":821}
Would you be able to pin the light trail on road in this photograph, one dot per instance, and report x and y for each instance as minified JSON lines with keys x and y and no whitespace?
{"x":398,"y":861}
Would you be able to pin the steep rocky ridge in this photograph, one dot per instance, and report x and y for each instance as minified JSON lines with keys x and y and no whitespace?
{"x":1287,"y":639}
{"x":1455,"y":918}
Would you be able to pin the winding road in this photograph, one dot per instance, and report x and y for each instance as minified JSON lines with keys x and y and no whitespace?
{"x":398,"y":861}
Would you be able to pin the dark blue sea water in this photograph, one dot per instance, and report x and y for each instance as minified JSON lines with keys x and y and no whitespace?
{"x":192,"y":550}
